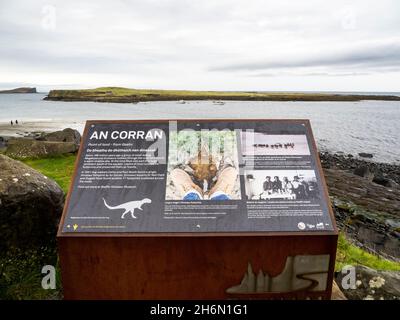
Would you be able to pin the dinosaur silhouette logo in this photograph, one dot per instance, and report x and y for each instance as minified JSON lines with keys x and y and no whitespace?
{"x":128,"y":206}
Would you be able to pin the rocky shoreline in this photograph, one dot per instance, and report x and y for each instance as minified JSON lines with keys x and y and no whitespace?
{"x":364,"y":168}
{"x":367,"y":206}
{"x":41,"y":144}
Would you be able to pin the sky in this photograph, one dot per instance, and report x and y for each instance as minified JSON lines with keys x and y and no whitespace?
{"x":302,"y":45}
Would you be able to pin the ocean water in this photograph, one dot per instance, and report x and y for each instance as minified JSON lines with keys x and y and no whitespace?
{"x":349,"y":127}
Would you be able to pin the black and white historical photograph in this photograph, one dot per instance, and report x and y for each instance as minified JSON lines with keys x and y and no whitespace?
{"x":281,"y":185}
{"x":262,"y":143}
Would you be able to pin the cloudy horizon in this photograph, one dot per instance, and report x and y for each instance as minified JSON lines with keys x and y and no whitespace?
{"x":209,"y":45}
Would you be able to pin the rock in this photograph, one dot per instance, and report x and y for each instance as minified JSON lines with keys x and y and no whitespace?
{"x":383,"y":181}
{"x":364,"y":193}
{"x":34,"y":134}
{"x":365,"y":155}
{"x":373,"y":285}
{"x":66,"y":135}
{"x":3,"y":142}
{"x":335,"y":161}
{"x":363,"y":171}
{"x":337,"y":294}
{"x":29,"y":148}
{"x":366,"y":212}
{"x":30,"y":206}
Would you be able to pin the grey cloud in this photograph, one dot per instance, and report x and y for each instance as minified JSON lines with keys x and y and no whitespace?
{"x":369,"y":57}
{"x":196,"y":44}
{"x":307,"y":74}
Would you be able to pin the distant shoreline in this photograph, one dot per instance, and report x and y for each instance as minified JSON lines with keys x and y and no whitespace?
{"x":125,"y":95}
{"x":19,"y":90}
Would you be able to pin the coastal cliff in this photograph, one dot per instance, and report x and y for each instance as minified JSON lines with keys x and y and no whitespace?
{"x":125,"y":95}
{"x":20,"y":90}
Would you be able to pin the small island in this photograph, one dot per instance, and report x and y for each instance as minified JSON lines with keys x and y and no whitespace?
{"x":125,"y":95}
{"x":20,"y":90}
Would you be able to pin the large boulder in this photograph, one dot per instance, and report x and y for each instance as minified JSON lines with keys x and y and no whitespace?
{"x":30,"y":206}
{"x":66,"y":135}
{"x":384,"y":181}
{"x":29,"y":148}
{"x":373,"y":285}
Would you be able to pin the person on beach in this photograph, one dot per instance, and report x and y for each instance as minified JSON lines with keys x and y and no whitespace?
{"x":16,"y":121}
{"x":12,"y":123}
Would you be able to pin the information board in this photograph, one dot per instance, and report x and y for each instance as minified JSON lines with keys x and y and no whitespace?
{"x":197,"y":176}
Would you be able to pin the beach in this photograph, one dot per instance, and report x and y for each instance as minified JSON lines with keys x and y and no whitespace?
{"x":29,"y":128}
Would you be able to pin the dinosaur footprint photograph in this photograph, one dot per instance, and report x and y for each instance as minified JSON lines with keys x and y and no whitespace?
{"x":203,"y":165}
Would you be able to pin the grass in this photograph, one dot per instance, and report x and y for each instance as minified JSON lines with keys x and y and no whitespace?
{"x":59,"y":168}
{"x":118,"y":94}
{"x":21,"y":277}
{"x":349,"y":254}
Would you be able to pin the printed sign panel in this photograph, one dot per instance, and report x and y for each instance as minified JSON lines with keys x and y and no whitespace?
{"x":197,"y":176}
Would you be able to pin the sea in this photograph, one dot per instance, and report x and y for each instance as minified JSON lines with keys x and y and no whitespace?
{"x":345,"y":127}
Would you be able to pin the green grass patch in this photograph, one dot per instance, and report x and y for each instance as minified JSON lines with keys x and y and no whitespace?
{"x":118,"y":94}
{"x":349,"y":254}
{"x":59,"y":169}
{"x":21,"y":274}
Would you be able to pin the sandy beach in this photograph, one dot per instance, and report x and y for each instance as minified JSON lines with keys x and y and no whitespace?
{"x":30,"y":127}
